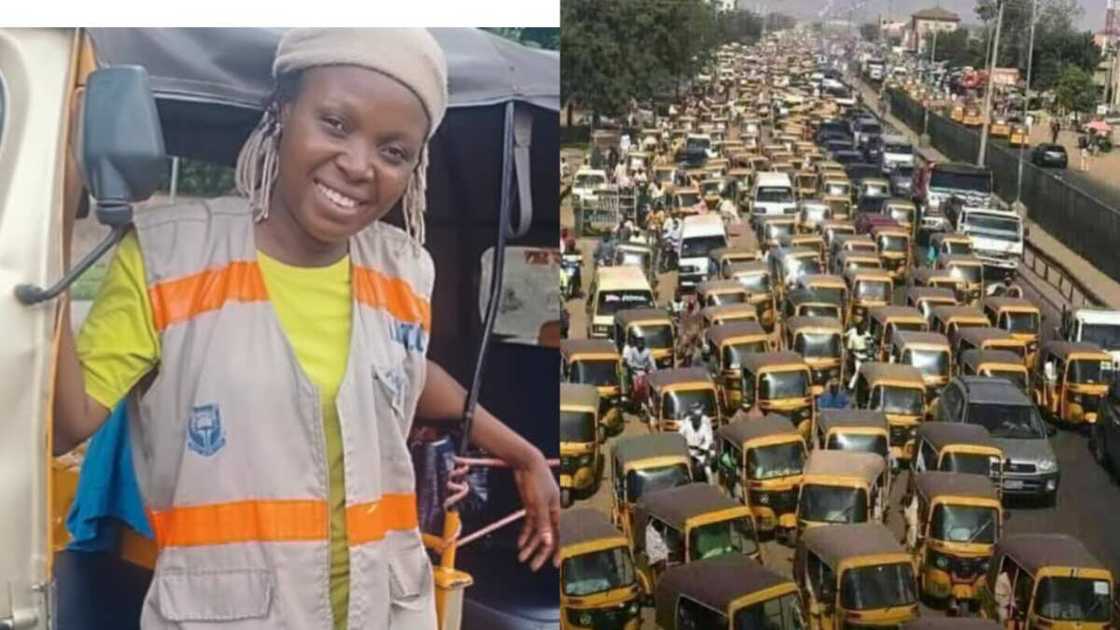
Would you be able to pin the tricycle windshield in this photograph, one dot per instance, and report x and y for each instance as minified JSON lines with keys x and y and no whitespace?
{"x":780,"y":613}
{"x":970,"y":463}
{"x":601,"y":373}
{"x":897,"y":400}
{"x":1025,"y":323}
{"x":733,"y":354}
{"x":775,"y":460}
{"x":892,"y":243}
{"x":928,"y":362}
{"x":676,"y":403}
{"x":723,"y":537}
{"x":877,"y":586}
{"x":1085,"y":372}
{"x":964,"y":523}
{"x":818,"y":345}
{"x":791,"y":384}
{"x":859,"y":443}
{"x":639,"y":482}
{"x":873,"y":290}
{"x":832,"y":504}
{"x":719,"y":299}
{"x":610,"y":302}
{"x":577,"y":426}
{"x":968,"y":273}
{"x":656,"y":335}
{"x":1074,"y":599}
{"x":597,"y":572}
{"x":755,"y":283}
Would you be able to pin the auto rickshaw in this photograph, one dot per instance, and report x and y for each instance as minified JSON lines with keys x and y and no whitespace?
{"x":755,"y":278}
{"x":774,"y":231}
{"x":842,"y":487}
{"x":635,"y":254}
{"x":596,"y":362}
{"x":925,"y":299}
{"x":717,"y":315}
{"x":728,"y":592}
{"x":833,"y":228}
{"x":581,"y":463}
{"x":839,"y":205}
{"x":973,"y":117}
{"x":787,"y":264}
{"x":722,"y":257}
{"x":697,"y":522}
{"x":805,"y":184}
{"x":641,"y":464}
{"x":835,"y":169}
{"x":1018,"y":316}
{"x":852,"y":243}
{"x":995,"y":363}
{"x":663,"y":175}
{"x":820,"y":341}
{"x":811,"y":213}
{"x":1082,"y":374}
{"x":894,"y":250}
{"x":853,"y":431}
{"x":829,"y":286}
{"x":882,"y":321}
{"x":857,"y":571}
{"x":987,"y":338}
{"x":1019,"y":136}
{"x":848,"y":261}
{"x":930,"y":352}
{"x":959,"y":447}
{"x":951,"y":244}
{"x":728,"y":344}
{"x":970,"y":270}
{"x":960,"y":518}
{"x":939,"y":279}
{"x":949,"y":320}
{"x":598,"y":584}
{"x":810,"y":303}
{"x":655,"y":326}
{"x":833,"y":186}
{"x":720,"y":292}
{"x":956,"y":113}
{"x":899,"y":392}
{"x":869,"y":288}
{"x":760,"y":463}
{"x":685,"y":201}
{"x":999,"y":128}
{"x":673,"y":392}
{"x":710,"y":191}
{"x":902,"y":211}
{"x":1056,"y":583}
{"x":780,"y":383}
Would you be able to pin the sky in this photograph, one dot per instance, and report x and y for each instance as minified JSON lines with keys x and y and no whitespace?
{"x":1092,"y":19}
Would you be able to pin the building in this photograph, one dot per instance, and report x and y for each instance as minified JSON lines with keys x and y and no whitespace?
{"x":928,"y":21}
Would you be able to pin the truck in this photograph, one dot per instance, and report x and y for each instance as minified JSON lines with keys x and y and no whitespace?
{"x":937,"y":182}
{"x":1093,"y":325}
{"x":875,"y":69}
{"x":997,"y":234}
{"x":772,"y":195}
{"x":700,"y":234}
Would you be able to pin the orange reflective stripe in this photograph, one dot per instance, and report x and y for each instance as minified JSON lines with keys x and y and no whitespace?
{"x":179,"y":300}
{"x":241,"y":521}
{"x":367,"y":522}
{"x":377,"y":290}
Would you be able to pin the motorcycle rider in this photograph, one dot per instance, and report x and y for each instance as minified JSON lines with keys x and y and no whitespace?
{"x":639,"y":362}
{"x":859,"y":346}
{"x":697,"y":433}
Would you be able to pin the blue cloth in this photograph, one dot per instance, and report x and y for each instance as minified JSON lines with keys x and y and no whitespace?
{"x":829,"y":401}
{"x":108,"y":492}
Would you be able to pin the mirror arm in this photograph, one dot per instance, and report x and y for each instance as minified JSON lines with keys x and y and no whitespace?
{"x":29,"y":294}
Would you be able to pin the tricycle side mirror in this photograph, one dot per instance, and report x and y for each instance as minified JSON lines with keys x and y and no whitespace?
{"x":1051,"y":430}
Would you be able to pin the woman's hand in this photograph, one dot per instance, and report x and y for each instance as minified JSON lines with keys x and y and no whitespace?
{"x":540,"y":495}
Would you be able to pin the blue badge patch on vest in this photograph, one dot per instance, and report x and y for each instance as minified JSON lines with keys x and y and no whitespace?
{"x":395,"y":382}
{"x":411,"y":336}
{"x":204,"y":430}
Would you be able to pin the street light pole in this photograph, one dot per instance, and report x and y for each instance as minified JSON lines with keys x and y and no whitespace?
{"x":988,"y":94}
{"x":1026,"y":107}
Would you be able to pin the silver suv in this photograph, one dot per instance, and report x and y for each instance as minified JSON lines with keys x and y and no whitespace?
{"x":1031,"y":468}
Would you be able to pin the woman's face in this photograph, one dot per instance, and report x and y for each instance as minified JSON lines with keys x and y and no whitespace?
{"x":350,"y":142}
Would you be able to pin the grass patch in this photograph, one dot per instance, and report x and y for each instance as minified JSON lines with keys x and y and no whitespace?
{"x":85,"y":287}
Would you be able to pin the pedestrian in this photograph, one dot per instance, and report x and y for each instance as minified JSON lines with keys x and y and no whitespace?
{"x":834,"y":398}
{"x":859,"y":347}
{"x":1084,"y":151}
{"x":274,"y":455}
{"x":1055,"y":127}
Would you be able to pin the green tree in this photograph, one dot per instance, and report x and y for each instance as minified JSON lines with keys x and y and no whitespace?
{"x":1075,"y":90}
{"x":869,"y":31}
{"x":951,"y":47}
{"x":779,"y":22}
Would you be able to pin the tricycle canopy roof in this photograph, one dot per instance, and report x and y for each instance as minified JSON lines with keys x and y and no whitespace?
{"x":891,"y":312}
{"x":629,"y":316}
{"x":755,"y":361}
{"x":720,"y":334}
{"x":582,"y":525}
{"x":677,"y":376}
{"x":632,"y":448}
{"x":676,"y":505}
{"x":942,"y":434}
{"x":803,"y":322}
{"x":851,"y":418}
{"x":1063,"y":349}
{"x":866,"y":466}
{"x":906,"y":337}
{"x":580,"y":395}
{"x":876,"y":371}
{"x":951,"y":623}
{"x":716,"y":286}
{"x":975,"y":357}
{"x":569,"y":347}
{"x":934,"y":484}
{"x":1013,"y":303}
{"x":714,"y":582}
{"x":772,"y":424}
{"x":836,"y":543}
{"x":1035,"y":551}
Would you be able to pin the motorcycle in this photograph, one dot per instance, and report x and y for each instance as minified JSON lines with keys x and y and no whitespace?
{"x":570,"y":266}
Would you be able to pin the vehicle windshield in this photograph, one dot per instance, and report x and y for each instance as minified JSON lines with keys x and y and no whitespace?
{"x":734,"y":354}
{"x":990,"y":222}
{"x":791,"y":384}
{"x":877,"y":586}
{"x":755,"y":283}
{"x":719,"y":299}
{"x":804,"y":265}
{"x":1017,"y":377}
{"x":774,"y":194}
{"x":610,"y":302}
{"x":778,"y":230}
{"x":723,"y":537}
{"x":656,"y":335}
{"x":829,"y":294}
{"x":675,"y":404}
{"x":970,"y":463}
{"x":701,"y":246}
{"x":688,"y":199}
{"x":964,"y":524}
{"x":928,"y":362}
{"x":780,"y":613}
{"x":837,"y":189}
{"x":818,"y":345}
{"x":876,"y":290}
{"x":820,"y":310}
{"x":832,"y":504}
{"x":968,"y":273}
{"x":1086,"y":372}
{"x":597,"y":572}
{"x":870,"y":129}
{"x":775,"y":460}
{"x":639,"y":482}
{"x":858,"y":442}
{"x":889,"y":243}
{"x":1007,"y":421}
{"x":633,"y":259}
{"x":908,"y":326}
{"x":577,"y":426}
{"x":590,"y":181}
{"x":974,"y":182}
{"x":959,"y":248}
{"x":891,"y":147}
{"x":1074,"y":599}
{"x":815,"y":213}
{"x":902,"y":215}
{"x":1106,"y":336}
{"x":698,"y":143}
{"x":1026,"y":323}
{"x":601,"y":373}
{"x":897,"y":400}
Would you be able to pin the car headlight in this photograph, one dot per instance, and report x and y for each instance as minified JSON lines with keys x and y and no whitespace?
{"x":585,"y":619}
{"x":585,"y":459}
{"x":939,"y":560}
{"x":763,"y":498}
{"x":1047,"y":465}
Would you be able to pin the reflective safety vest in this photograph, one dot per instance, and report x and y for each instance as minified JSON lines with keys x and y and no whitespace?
{"x":228,"y":439}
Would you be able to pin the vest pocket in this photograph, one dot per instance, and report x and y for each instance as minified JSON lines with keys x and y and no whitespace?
{"x":410,"y":579}
{"x":214,"y":595}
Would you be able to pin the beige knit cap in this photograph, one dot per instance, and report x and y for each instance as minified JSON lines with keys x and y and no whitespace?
{"x":409,"y":55}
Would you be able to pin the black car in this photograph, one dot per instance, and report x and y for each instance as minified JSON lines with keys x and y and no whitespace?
{"x":902,"y":181}
{"x":1050,"y":155}
{"x":873,"y":149}
{"x":846,"y":156}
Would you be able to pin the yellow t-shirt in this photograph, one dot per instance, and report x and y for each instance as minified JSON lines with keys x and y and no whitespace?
{"x":118,"y":345}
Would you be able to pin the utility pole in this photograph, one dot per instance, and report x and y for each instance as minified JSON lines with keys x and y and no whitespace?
{"x":1026,"y":108}
{"x":988,"y":94}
